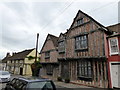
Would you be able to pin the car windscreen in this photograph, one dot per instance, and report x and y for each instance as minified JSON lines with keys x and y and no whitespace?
{"x":4,"y":73}
{"x":40,"y":85}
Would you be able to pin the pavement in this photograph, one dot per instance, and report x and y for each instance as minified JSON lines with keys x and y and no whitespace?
{"x":69,"y":85}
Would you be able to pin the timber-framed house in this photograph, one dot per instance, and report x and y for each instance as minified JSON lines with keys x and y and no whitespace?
{"x":49,"y":54}
{"x":82,"y":54}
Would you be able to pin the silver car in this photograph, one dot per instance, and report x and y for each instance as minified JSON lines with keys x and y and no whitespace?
{"x":4,"y":76}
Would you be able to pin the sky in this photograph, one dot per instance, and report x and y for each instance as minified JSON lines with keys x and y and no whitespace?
{"x":21,"y":20}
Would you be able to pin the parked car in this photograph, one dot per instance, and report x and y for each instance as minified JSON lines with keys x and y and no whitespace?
{"x":30,"y":83}
{"x":4,"y":76}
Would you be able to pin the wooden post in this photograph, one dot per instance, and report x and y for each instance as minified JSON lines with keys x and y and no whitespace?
{"x":94,"y":75}
{"x":36,"y":47}
{"x":98,"y":83}
{"x":101,"y":77}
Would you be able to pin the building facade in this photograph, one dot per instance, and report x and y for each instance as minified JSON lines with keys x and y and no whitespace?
{"x":49,"y":56}
{"x":113,"y":43}
{"x":84,"y":60}
{"x":3,"y":62}
{"x":81,"y":52}
{"x":20,"y":64}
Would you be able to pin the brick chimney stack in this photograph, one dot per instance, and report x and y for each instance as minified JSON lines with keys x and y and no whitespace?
{"x":8,"y":54}
{"x":13,"y":53}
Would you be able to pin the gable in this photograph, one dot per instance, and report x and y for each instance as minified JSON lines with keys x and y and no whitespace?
{"x":61,"y":37}
{"x":33,"y":54}
{"x":80,"y":19}
{"x":48,"y":38}
{"x":49,"y":43}
{"x":86,"y":18}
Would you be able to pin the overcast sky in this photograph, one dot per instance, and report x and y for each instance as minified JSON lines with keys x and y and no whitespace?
{"x":21,"y":21}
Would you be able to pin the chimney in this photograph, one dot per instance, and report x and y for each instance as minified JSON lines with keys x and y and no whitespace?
{"x":8,"y":54}
{"x":13,"y":53}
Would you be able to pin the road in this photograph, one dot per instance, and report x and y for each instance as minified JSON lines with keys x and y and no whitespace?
{"x":59,"y":85}
{"x":2,"y":85}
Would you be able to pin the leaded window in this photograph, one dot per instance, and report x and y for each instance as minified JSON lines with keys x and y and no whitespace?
{"x":61,"y":47}
{"x":81,"y":42}
{"x":85,"y":69}
{"x":80,"y":21}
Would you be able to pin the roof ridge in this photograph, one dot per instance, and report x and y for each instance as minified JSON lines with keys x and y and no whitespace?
{"x":25,"y":50}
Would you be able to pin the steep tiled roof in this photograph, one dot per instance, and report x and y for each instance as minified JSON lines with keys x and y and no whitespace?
{"x":115,"y":28}
{"x":21,"y":55}
{"x":4,"y":60}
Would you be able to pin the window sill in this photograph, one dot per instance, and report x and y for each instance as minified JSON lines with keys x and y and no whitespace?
{"x":85,"y":49}
{"x":49,"y":74}
{"x":47,"y":57}
{"x":85,"y":78}
{"x":61,"y":52}
{"x":112,"y":54}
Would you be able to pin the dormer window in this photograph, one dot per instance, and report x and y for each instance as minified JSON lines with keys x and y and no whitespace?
{"x":113,"y":45}
{"x":80,"y":21}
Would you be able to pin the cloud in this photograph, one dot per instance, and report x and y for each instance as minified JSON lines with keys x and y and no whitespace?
{"x":21,"y":21}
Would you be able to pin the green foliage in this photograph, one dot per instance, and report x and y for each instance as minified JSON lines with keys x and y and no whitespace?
{"x":36,"y":68}
{"x":37,"y":64}
{"x":31,"y":58}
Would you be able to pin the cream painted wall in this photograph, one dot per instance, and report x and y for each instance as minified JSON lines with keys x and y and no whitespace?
{"x":31,"y":54}
{"x":27,"y":69}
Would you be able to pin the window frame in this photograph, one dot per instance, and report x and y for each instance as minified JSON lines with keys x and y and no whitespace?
{"x":82,"y":42}
{"x":49,"y":69}
{"x":110,"y":49}
{"x":47,"y":54}
{"x":62,"y":45}
{"x":80,"y":21}
{"x":82,"y":68}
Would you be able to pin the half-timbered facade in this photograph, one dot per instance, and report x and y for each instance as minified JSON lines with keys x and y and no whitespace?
{"x":49,"y":54}
{"x":82,"y":56}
